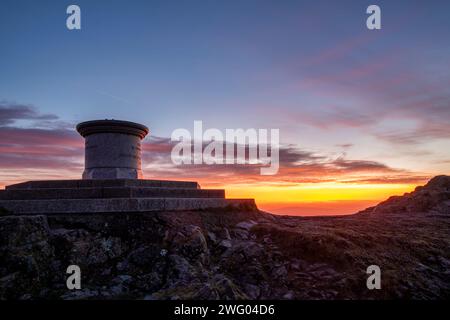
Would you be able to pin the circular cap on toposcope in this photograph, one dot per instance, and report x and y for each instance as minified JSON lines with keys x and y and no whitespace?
{"x":112,"y":126}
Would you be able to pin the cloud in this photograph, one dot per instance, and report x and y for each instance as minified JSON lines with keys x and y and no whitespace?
{"x":417,"y":179}
{"x":297,"y":166}
{"x":10,"y":113}
{"x":359,"y":165}
{"x":39,"y":148}
{"x":345,"y":145}
{"x":59,"y":150}
{"x":425,"y":131}
{"x":46,"y":148}
{"x":34,"y":151}
{"x":375,"y":95}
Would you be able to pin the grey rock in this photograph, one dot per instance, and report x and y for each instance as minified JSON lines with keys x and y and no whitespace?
{"x":246,"y":225}
{"x":220,"y":254}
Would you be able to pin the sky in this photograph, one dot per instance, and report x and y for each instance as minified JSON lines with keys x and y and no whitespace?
{"x":363,"y":114}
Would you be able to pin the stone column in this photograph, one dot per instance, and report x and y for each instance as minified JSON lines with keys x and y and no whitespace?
{"x":112,"y":149}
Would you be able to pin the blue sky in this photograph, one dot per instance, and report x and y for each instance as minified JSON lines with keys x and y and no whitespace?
{"x":151,"y":60}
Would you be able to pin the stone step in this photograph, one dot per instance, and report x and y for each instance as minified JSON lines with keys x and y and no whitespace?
{"x":121,"y":205}
{"x":108,"y":192}
{"x":76,"y":184}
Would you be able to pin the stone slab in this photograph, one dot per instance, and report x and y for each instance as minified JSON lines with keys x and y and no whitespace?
{"x":59,"y":184}
{"x":119,"y":205}
{"x":109,"y":192}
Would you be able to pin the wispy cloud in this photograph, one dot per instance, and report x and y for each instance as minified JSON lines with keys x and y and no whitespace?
{"x":367,"y":95}
{"x":11,"y":112}
{"x":31,"y":152}
{"x":61,"y":149}
{"x":297,"y":166}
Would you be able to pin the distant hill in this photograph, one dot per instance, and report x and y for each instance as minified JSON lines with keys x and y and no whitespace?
{"x":433,"y":197}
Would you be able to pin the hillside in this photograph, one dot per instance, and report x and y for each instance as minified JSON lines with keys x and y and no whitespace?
{"x":434,"y":197}
{"x":234,"y":254}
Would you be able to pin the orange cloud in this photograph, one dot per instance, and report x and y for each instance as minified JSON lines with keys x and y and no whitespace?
{"x":304,"y":178}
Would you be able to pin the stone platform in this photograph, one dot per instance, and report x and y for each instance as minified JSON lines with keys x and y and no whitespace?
{"x":113,"y":195}
{"x":95,"y":183}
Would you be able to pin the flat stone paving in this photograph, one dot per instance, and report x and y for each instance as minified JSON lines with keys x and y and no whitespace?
{"x":119,"y":205}
{"x":108,"y":192}
{"x":115,"y":195}
{"x":55,"y":184}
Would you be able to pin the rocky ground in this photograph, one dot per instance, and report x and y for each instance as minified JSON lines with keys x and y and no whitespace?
{"x":233,"y":254}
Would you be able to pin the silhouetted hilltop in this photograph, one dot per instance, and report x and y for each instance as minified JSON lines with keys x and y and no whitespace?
{"x":433,"y":197}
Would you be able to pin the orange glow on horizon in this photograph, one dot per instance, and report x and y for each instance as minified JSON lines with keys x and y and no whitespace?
{"x":316,"y":198}
{"x":331,"y":198}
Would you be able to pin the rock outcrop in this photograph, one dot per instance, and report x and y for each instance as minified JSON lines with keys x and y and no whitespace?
{"x":433,"y":197}
{"x":233,"y":254}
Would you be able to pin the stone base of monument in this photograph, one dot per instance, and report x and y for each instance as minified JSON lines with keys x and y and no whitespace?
{"x":114,"y":195}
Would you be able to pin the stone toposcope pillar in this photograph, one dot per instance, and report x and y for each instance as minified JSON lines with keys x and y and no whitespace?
{"x":112,"y":149}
